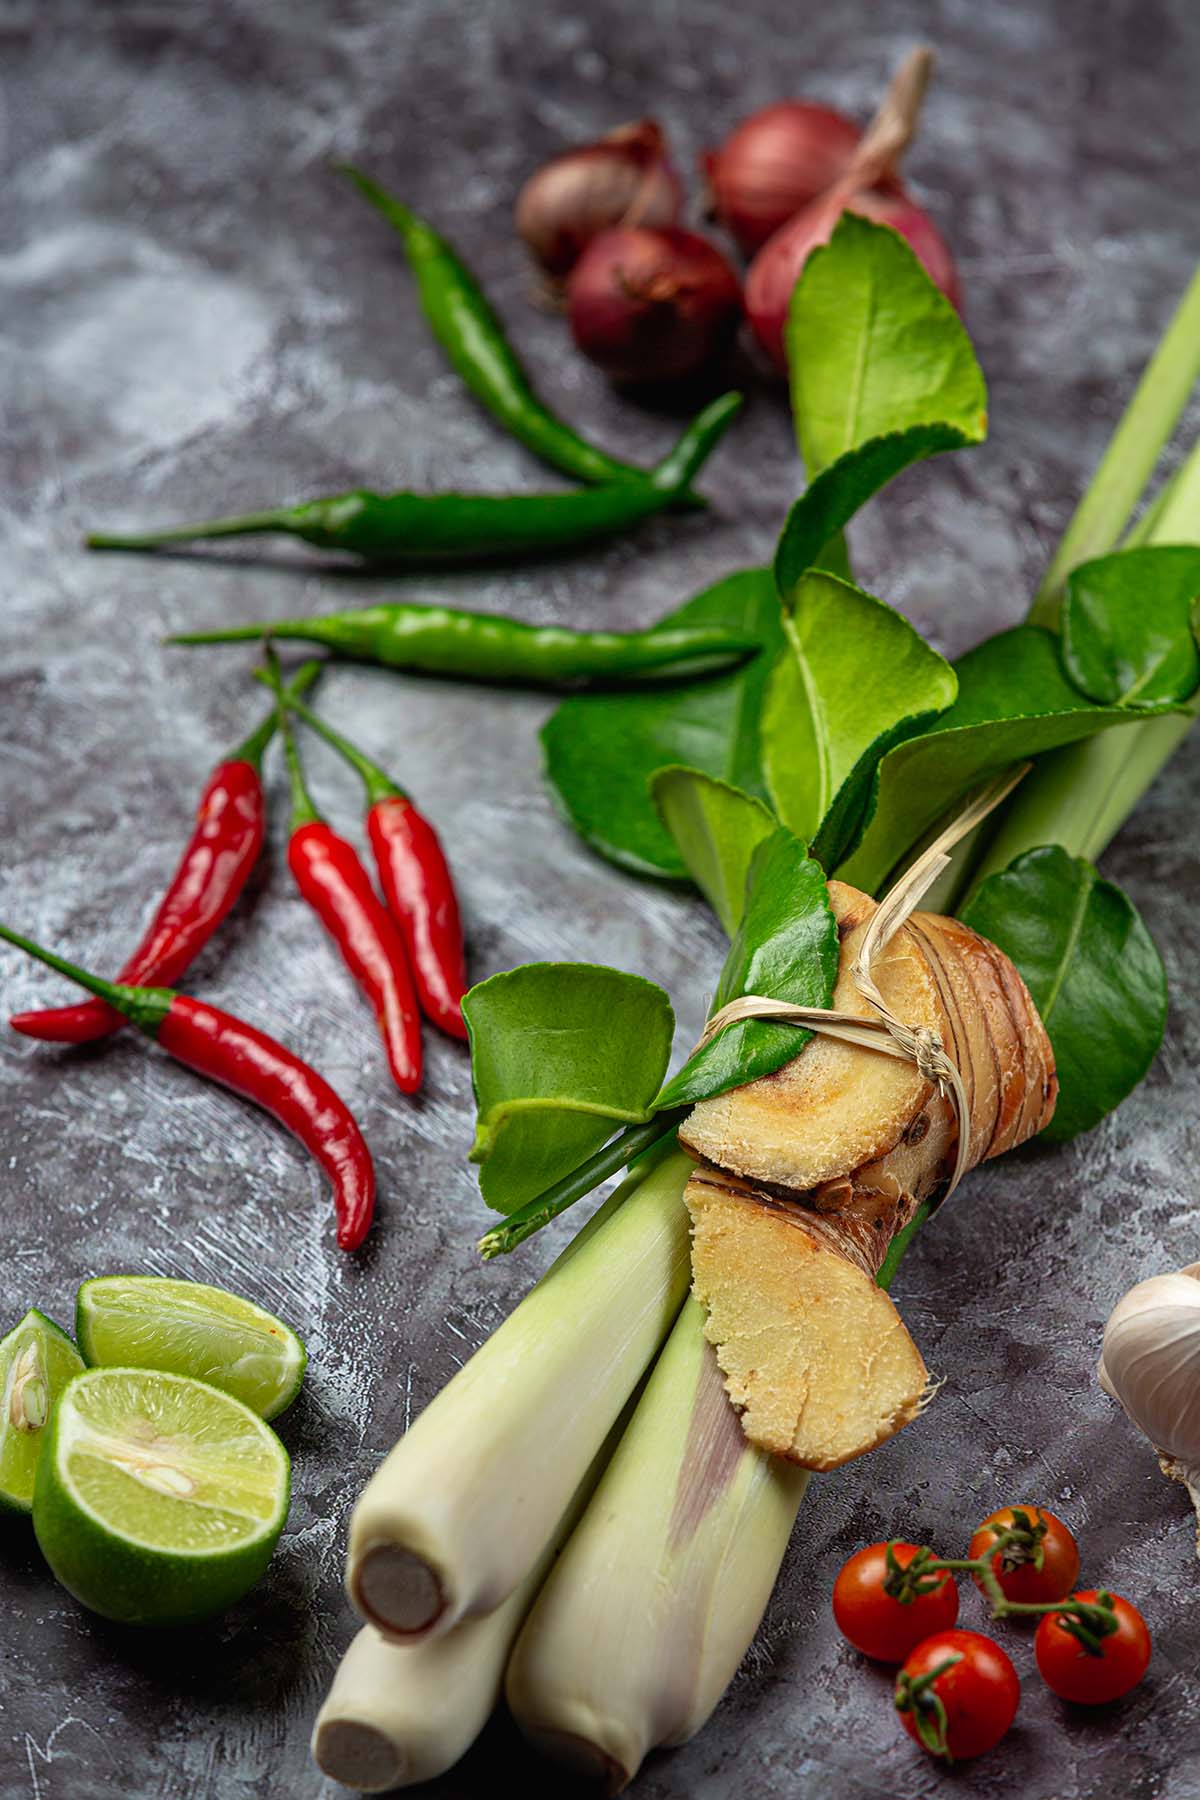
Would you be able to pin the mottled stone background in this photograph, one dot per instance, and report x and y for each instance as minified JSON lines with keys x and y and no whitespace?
{"x":196,"y":316}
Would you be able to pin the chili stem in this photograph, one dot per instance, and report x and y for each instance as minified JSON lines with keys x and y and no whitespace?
{"x":304,"y":811}
{"x":378,"y":784}
{"x":239,"y":526}
{"x":145,"y":1007}
{"x":251,"y":748}
{"x":633,"y":1142}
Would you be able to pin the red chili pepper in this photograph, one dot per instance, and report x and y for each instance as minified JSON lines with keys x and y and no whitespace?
{"x":332,"y":879}
{"x":416,"y":881}
{"x":210,"y":876}
{"x":245,"y":1059}
{"x":420,"y":892}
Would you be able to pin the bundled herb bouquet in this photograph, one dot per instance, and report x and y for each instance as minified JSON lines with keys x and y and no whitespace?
{"x":593,"y":1512}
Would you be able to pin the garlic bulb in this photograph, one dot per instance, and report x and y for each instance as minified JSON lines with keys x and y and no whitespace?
{"x":1151,"y":1364}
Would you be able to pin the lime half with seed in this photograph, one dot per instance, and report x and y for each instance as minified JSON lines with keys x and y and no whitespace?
{"x":189,"y":1328}
{"x":158,"y":1499}
{"x":36,"y":1362}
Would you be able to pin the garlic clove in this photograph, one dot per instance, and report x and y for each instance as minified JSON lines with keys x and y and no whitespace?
{"x":1150,"y":1365}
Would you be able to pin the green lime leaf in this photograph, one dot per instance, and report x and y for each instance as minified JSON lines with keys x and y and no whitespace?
{"x":1093,"y":970}
{"x":882,"y":375}
{"x":561,"y":1055}
{"x":37,"y":1359}
{"x":859,"y":679}
{"x":717,"y":829}
{"x":1127,"y":637}
{"x":158,"y":1499}
{"x":190,"y":1328}
{"x":811,"y":535}
{"x":874,"y":348}
{"x":1013,"y":702}
{"x":601,"y":749}
{"x":786,"y":948}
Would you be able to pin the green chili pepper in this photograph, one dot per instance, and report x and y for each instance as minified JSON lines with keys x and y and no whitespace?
{"x":437,"y":640}
{"x":463,"y":527}
{"x":464,"y":324}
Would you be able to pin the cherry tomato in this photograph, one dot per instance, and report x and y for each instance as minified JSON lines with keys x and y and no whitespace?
{"x":1073,"y":1674}
{"x":872,"y":1621}
{"x":1016,"y":1569}
{"x":980,"y":1694}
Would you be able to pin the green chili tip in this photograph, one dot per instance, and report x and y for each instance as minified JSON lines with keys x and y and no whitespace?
{"x":470,"y":333}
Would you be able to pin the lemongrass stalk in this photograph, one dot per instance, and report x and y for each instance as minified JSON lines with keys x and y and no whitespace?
{"x":645,"y":1617}
{"x":456,"y":1517}
{"x":1081,"y":796}
{"x":400,"y":1714}
{"x":1143,"y":529}
{"x":1132,"y":453}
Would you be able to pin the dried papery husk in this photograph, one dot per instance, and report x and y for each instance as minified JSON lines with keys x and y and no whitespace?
{"x":808,"y":1174}
{"x":1151,"y":1366}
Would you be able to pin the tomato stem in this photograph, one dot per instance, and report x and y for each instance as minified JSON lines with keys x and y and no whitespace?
{"x":915,"y":1694}
{"x":1088,"y":1621}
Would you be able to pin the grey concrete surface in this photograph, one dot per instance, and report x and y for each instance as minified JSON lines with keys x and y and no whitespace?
{"x":197,"y":317}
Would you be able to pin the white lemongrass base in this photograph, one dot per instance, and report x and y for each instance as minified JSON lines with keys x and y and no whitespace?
{"x":399,"y":1714}
{"x":459,"y":1513}
{"x":652,"y":1605}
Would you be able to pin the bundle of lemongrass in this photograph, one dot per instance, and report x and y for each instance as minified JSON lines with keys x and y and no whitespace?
{"x":603,"y":1550}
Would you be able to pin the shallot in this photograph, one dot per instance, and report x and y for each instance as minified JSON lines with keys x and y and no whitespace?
{"x":624,"y":178}
{"x":869,"y":187}
{"x":652,"y":305}
{"x":774,"y":163}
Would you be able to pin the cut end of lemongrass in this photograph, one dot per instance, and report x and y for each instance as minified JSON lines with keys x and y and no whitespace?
{"x":358,"y":1755}
{"x":397,"y":1591}
{"x":586,"y":1761}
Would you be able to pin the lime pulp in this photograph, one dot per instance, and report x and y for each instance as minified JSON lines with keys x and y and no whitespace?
{"x":37,"y":1359}
{"x":159,"y":1499}
{"x":190,"y":1328}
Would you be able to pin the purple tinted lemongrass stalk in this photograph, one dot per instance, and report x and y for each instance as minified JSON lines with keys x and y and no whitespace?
{"x":459,"y":1513}
{"x":650,"y":1608}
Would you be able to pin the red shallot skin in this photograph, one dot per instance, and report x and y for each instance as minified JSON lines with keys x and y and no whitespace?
{"x":774,"y":163}
{"x":776,"y":269}
{"x":652,"y":305}
{"x":623,"y":178}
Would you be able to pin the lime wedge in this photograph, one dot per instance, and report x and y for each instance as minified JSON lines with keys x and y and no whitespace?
{"x":188,"y":1328}
{"x":158,"y":1499}
{"x":36,"y":1362}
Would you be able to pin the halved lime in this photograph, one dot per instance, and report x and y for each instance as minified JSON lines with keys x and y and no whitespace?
{"x":189,"y":1328}
{"x":158,"y":1499}
{"x":37,"y":1360}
